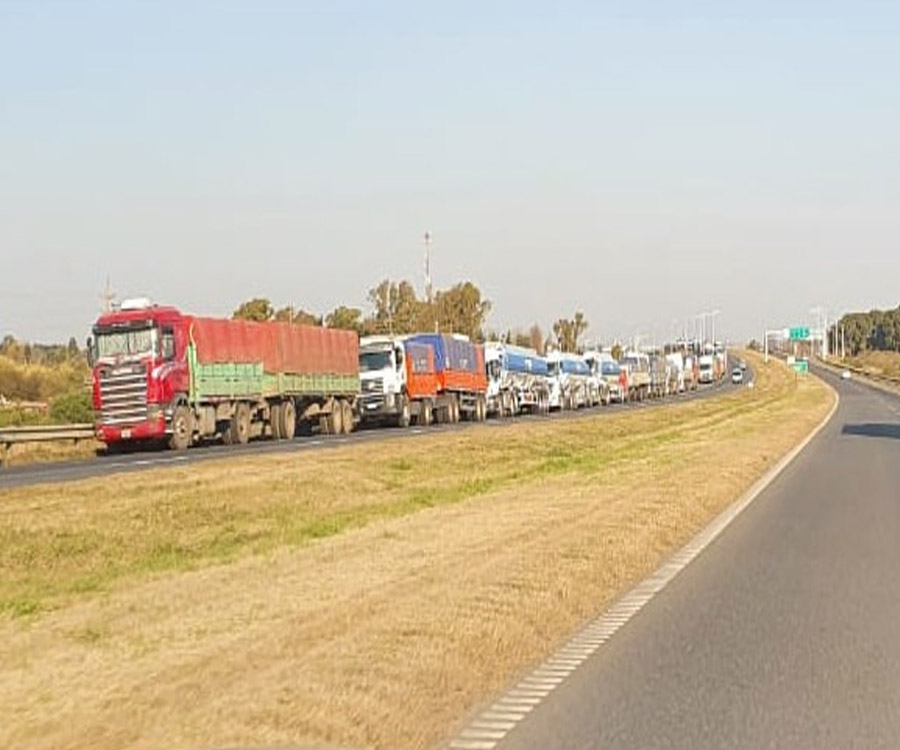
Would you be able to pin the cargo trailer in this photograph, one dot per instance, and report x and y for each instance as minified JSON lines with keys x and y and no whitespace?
{"x":461,"y":376}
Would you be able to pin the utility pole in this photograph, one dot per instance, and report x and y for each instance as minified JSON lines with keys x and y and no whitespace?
{"x":428,"y":288}
{"x":427,"y":239}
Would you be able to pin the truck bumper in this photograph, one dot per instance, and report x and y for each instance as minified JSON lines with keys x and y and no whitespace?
{"x":150,"y":429}
{"x":380,"y":407}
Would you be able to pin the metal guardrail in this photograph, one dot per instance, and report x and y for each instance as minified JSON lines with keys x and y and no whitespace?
{"x":10,"y":436}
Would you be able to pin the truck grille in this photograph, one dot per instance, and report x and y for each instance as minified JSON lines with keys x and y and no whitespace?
{"x":373,"y":386}
{"x":123,"y":395}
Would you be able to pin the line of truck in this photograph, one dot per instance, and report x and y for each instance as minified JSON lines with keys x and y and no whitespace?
{"x":163,"y":375}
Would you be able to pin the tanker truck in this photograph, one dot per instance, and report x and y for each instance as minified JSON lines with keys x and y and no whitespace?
{"x":517,"y":380}
{"x":570,"y":376}
{"x":160,"y":375}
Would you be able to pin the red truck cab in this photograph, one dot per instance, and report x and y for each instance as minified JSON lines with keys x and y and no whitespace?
{"x":139,"y":370}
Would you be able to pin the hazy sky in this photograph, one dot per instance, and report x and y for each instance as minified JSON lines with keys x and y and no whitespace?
{"x":639,"y":161}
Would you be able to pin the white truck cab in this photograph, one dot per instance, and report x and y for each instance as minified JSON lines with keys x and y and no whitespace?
{"x":382,"y":376}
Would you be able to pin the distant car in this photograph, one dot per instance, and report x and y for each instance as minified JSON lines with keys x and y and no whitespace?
{"x":737,"y":376}
{"x":845,"y":375}
{"x":742,"y":365}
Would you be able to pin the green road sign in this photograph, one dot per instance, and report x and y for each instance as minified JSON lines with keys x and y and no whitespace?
{"x":799,"y":334}
{"x":801,"y":366}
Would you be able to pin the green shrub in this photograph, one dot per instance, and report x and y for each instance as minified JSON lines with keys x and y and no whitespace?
{"x":74,"y":406}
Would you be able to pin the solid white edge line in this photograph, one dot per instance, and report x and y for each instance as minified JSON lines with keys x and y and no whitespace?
{"x":587,"y":641}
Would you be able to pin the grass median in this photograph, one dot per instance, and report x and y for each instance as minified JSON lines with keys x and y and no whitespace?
{"x":369,"y":595}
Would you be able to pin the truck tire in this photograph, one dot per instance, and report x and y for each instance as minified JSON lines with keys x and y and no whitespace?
{"x":275,"y":421}
{"x":287,"y":425}
{"x":426,"y":415}
{"x":482,"y":402}
{"x":240,"y":424}
{"x":335,"y":419}
{"x":403,"y":415}
{"x":347,"y":417}
{"x":454,"y":410}
{"x":182,"y":428}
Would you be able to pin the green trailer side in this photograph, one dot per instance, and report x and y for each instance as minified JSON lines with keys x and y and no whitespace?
{"x":233,"y":380}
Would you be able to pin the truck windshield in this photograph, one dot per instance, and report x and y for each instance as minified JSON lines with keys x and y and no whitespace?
{"x":611,"y":368}
{"x":130,"y":342}
{"x":371,"y":361}
{"x":553,"y":368}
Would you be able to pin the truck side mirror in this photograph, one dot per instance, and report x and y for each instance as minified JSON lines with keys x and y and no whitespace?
{"x":89,"y":347}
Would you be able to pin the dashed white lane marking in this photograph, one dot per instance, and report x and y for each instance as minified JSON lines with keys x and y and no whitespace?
{"x":504,"y":725}
{"x":473,"y":744}
{"x":511,"y":709}
{"x":502,"y":716}
{"x":529,"y":692}
{"x":512,"y":700}
{"x":482,"y":734}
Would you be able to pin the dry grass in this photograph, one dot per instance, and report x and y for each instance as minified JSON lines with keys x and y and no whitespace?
{"x":368,"y":596}
{"x":877,"y":363}
{"x":60,"y":450}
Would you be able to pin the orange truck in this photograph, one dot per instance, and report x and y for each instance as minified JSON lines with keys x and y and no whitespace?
{"x":398,"y":381}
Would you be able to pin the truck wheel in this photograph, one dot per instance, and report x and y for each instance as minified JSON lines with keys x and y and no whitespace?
{"x":426,"y":415}
{"x":403,"y":416}
{"x":275,"y":421}
{"x":347,"y":417}
{"x":182,"y":428}
{"x":482,"y":402}
{"x":240,"y":424}
{"x":288,"y":422}
{"x":335,"y":419}
{"x":454,"y":410}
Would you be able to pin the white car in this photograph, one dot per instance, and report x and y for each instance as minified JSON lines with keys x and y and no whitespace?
{"x":845,"y":375}
{"x":737,"y":376}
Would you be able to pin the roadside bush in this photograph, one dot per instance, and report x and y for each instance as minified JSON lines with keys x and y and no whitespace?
{"x":74,"y":406}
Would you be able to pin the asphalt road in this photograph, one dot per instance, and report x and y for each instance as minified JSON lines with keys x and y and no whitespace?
{"x":65,"y":471}
{"x":783,"y":633}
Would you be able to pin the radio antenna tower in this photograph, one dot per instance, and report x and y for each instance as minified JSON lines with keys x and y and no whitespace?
{"x":428,"y":266}
{"x":107,"y":297}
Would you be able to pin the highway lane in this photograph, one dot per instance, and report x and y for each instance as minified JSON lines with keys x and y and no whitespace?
{"x":783,"y":633}
{"x":64,"y":471}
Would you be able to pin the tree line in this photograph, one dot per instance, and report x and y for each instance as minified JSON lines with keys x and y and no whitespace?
{"x":50,"y":355}
{"x":876,"y":330}
{"x":396,"y":308}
